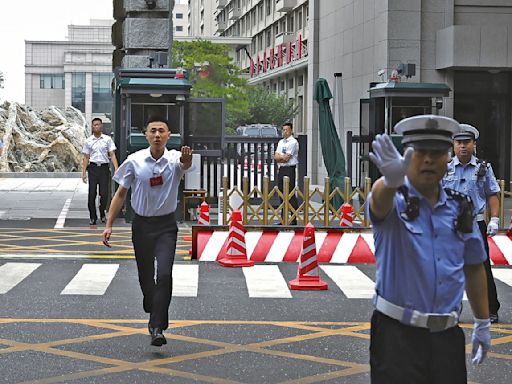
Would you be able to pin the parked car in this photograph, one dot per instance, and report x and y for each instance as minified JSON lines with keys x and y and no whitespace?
{"x":258,"y":130}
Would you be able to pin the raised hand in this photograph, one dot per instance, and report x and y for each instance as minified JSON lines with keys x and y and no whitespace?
{"x":391,"y":164}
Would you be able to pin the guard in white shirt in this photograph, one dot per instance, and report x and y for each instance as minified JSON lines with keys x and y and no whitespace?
{"x":154,"y":175}
{"x":287,"y":157}
{"x":97,"y":150}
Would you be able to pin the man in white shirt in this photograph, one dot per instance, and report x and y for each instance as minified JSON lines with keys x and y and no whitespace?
{"x":97,"y":150}
{"x":154,"y":175}
{"x":287,"y":157}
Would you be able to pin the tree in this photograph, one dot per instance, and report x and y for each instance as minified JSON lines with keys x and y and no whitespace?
{"x":213,"y":74}
{"x":269,"y":107}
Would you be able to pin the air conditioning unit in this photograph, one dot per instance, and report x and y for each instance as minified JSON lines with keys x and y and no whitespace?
{"x":235,"y":13}
{"x":285,"y":38}
{"x":285,"y":5}
{"x":221,"y":4}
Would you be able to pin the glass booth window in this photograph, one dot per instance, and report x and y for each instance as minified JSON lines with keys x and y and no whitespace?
{"x":101,"y":93}
{"x":78,"y":91}
{"x":142,"y":112}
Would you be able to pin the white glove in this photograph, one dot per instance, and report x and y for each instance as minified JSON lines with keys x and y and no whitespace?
{"x":492,"y":227}
{"x":389,"y":161}
{"x":481,"y":340}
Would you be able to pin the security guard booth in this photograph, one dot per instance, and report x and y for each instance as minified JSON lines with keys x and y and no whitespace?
{"x":142,"y":93}
{"x":393,"y":101}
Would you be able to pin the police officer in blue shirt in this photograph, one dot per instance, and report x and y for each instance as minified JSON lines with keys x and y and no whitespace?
{"x":474,"y":177}
{"x":427,"y":248}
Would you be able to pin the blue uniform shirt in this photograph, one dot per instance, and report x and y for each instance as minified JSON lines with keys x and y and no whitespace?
{"x":463,"y":178}
{"x":420,"y":262}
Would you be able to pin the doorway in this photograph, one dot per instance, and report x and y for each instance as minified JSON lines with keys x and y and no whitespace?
{"x":483,"y":99}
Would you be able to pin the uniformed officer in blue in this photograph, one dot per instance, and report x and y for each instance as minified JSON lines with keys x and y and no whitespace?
{"x":474,"y":177}
{"x":427,"y":248}
{"x":154,"y":175}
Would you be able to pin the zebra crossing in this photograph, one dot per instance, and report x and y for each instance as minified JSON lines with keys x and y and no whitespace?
{"x":261,"y":281}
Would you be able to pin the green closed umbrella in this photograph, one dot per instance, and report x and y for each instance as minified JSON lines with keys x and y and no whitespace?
{"x":334,"y":158}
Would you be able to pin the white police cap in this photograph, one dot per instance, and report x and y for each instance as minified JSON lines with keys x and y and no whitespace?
{"x":428,"y":131}
{"x":467,"y":132}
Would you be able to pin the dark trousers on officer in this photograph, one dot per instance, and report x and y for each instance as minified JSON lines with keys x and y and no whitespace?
{"x":98,"y":176}
{"x":290,"y":172}
{"x":494,"y":304}
{"x":154,"y":243}
{"x":402,"y":354}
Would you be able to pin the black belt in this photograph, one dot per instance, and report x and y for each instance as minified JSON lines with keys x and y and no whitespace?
{"x":287,"y":166}
{"x":99,"y":164}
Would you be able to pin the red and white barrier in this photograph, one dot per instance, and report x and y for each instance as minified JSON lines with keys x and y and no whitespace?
{"x":333,"y":247}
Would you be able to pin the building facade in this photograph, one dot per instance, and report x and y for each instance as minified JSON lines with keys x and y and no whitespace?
{"x":201,"y":22}
{"x":180,"y":20}
{"x":75,"y":72}
{"x":465,"y":44}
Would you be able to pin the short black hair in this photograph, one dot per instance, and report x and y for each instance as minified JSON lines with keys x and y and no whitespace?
{"x":96,"y":119}
{"x":288,"y":124}
{"x":159,"y":119}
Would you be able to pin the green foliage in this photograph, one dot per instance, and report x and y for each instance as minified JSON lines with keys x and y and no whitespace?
{"x":268,"y":107}
{"x":244,"y":104}
{"x":223,"y":78}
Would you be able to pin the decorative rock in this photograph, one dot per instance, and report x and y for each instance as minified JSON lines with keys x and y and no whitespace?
{"x":46,"y":141}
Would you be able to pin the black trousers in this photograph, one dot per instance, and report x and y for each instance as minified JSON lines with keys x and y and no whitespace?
{"x":290,"y":172}
{"x":98,"y":176}
{"x":154,"y":243}
{"x":401,"y":354}
{"x":492,"y":294}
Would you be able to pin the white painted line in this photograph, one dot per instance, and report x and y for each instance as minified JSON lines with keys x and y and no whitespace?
{"x":505,"y":275}
{"x":354,"y":283}
{"x":185,"y":280}
{"x":42,"y":255}
{"x":62,"y":217}
{"x":266,"y":281}
{"x":279,"y":247}
{"x":251,"y":240}
{"x":91,"y":279}
{"x":344,"y":248}
{"x":214,"y":245}
{"x":11,"y":274}
{"x":505,"y":246}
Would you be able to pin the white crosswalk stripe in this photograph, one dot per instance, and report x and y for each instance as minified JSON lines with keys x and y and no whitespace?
{"x":354,"y":283}
{"x":91,"y":279}
{"x":185,"y":280}
{"x":262,"y":281}
{"x":11,"y":274}
{"x":266,"y":281}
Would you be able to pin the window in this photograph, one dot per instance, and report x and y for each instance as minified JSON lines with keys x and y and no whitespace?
{"x":101,"y":93}
{"x":179,"y":16}
{"x":179,"y":28}
{"x":290,"y":23}
{"x":260,"y":11}
{"x":299,"y":21}
{"x":269,"y":36}
{"x":290,"y":83}
{"x":300,"y":80}
{"x":268,"y":6}
{"x":51,"y":81}
{"x":78,"y":91}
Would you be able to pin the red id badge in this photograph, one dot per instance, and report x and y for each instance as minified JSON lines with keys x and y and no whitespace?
{"x":157,"y":180}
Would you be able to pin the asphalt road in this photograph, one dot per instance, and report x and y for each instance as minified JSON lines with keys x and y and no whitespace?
{"x":71,"y":312}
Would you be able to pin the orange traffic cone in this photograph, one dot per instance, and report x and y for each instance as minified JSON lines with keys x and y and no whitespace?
{"x":204,"y":214}
{"x":307,"y":275}
{"x":346,"y":215}
{"x":236,"y":254}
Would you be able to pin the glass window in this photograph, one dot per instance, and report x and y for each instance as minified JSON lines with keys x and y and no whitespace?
{"x":51,"y":81}
{"x":179,"y":28}
{"x":179,"y":15}
{"x":78,"y":91}
{"x":101,"y":93}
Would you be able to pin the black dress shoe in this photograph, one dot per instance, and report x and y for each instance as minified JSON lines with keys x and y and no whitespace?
{"x":92,"y":222}
{"x":157,"y":337}
{"x":150,"y":330}
{"x":494,"y":318}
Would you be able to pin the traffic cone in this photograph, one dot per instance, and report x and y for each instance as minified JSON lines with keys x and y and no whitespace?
{"x":236,"y":254}
{"x":307,"y":275}
{"x":204,"y":214}
{"x":346,"y":215}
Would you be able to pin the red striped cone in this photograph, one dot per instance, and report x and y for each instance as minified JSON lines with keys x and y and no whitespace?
{"x":346,"y":215}
{"x":307,"y":275}
{"x":204,"y":214}
{"x":236,"y":254}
